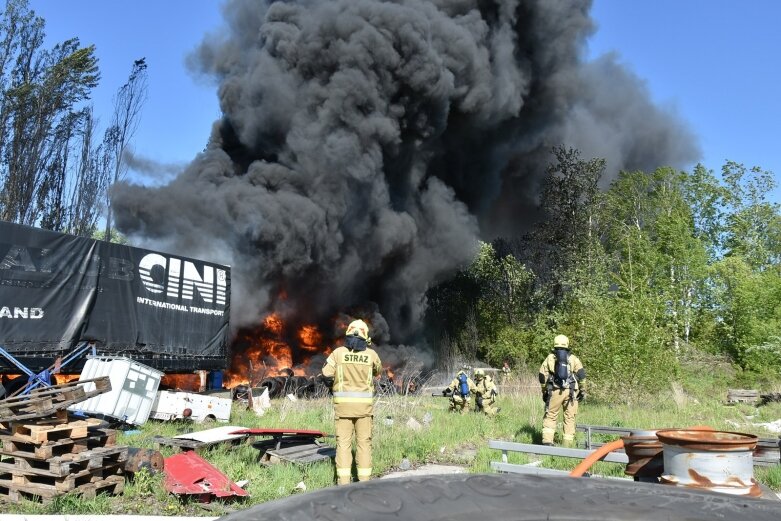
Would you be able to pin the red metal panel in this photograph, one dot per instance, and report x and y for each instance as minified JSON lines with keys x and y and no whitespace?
{"x":187,"y":473}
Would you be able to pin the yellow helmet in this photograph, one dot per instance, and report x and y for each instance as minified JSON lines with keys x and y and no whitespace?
{"x":358,"y":328}
{"x":561,"y":341}
{"x":479,"y":373}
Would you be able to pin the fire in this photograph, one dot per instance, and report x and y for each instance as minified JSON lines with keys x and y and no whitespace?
{"x":274,"y":324}
{"x":184,"y":382}
{"x":274,"y":349}
{"x":310,"y":338}
{"x":60,"y":378}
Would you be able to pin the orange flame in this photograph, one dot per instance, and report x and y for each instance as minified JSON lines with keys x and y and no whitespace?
{"x":60,"y":378}
{"x":266,"y":352}
{"x":310,"y":338}
{"x":182,"y":381}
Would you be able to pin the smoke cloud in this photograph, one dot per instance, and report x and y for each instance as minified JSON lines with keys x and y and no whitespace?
{"x":153,"y":171}
{"x":365,"y":146}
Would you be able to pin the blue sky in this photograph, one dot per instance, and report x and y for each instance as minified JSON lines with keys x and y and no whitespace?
{"x":716,"y":62}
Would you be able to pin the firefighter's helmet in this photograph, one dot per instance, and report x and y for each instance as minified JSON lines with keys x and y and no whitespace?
{"x":479,"y":374}
{"x":358,"y":328}
{"x":561,"y":342}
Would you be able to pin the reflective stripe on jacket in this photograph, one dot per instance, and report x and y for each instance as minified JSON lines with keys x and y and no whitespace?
{"x":353,"y":373}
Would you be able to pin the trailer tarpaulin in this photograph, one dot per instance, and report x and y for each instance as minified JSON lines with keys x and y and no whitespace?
{"x":56,"y":290}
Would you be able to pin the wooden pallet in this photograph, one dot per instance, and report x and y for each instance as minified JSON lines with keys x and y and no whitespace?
{"x":60,"y":466}
{"x":46,"y":402}
{"x":750,"y":396}
{"x":13,"y":446}
{"x":14,"y":493}
{"x":58,"y":484}
{"x":45,"y":432}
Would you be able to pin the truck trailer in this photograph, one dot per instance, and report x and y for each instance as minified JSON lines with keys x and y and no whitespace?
{"x":59,"y":291}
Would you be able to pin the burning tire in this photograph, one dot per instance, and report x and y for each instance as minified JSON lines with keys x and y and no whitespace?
{"x":506,"y":497}
{"x":275,"y":386}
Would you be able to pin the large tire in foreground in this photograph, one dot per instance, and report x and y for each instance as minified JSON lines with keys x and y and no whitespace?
{"x":506,"y":497}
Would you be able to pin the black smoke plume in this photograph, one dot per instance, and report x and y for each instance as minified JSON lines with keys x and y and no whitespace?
{"x":366,"y":145}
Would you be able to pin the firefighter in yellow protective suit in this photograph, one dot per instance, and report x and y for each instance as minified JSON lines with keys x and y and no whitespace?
{"x":506,"y":371}
{"x":485,"y":393}
{"x":353,"y":367}
{"x":562,"y":378}
{"x":461,"y":389}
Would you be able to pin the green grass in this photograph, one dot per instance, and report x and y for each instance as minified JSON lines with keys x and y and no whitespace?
{"x":450,"y":439}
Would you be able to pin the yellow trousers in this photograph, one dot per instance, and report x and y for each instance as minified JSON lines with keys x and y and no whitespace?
{"x":488,"y":407}
{"x":459,"y":404}
{"x":560,"y":399}
{"x":345,"y":429}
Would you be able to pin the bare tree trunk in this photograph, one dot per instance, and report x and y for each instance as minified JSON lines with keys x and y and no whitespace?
{"x":127,"y":113}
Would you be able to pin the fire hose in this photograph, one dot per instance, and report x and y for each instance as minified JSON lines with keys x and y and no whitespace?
{"x":607,"y":448}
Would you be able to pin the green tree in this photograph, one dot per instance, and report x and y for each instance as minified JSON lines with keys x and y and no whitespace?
{"x":752,"y":222}
{"x":652,"y":234}
{"x":40,"y":121}
{"x":570,"y":202}
{"x":505,"y":285}
{"x":750,"y":310}
{"x":705,"y":197}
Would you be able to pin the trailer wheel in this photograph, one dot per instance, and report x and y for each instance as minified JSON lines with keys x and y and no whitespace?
{"x":507,"y":497}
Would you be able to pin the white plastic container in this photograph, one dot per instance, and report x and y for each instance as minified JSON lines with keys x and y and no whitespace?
{"x":171,"y":405}
{"x":133,"y":389}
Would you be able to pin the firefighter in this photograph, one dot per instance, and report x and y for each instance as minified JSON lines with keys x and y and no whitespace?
{"x":562,"y":378}
{"x":485,"y":393}
{"x":353,"y":367}
{"x":506,"y":371}
{"x":460,"y":390}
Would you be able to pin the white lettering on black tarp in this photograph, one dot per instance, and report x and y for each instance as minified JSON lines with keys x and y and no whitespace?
{"x":14,"y":312}
{"x":179,"y":307}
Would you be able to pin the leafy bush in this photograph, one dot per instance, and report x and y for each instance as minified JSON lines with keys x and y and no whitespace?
{"x":623,"y":350}
{"x":764,"y":358}
{"x":521,"y":346}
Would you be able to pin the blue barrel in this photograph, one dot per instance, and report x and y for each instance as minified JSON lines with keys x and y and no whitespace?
{"x":214,"y":380}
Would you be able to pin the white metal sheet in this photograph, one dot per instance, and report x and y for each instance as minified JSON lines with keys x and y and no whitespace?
{"x":214,"y":435}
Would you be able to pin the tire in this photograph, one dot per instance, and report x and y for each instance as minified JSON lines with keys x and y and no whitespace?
{"x":508,"y":497}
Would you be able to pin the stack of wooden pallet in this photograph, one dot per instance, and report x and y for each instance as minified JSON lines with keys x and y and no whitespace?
{"x":47,"y":453}
{"x":750,"y":396}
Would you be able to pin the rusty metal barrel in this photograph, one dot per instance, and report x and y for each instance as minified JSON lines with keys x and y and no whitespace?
{"x":718,"y":461}
{"x":149,"y":459}
{"x":644,"y":451}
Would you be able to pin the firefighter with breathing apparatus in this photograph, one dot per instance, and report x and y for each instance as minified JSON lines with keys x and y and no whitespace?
{"x":460,"y":391}
{"x":353,"y":367}
{"x":485,"y":393}
{"x":562,"y":378}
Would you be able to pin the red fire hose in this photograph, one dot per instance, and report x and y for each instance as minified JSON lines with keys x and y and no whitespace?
{"x":607,"y":448}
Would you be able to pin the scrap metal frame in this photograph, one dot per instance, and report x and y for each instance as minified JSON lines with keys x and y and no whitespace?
{"x":43,"y":378}
{"x":543,"y":450}
{"x":765,"y":455}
